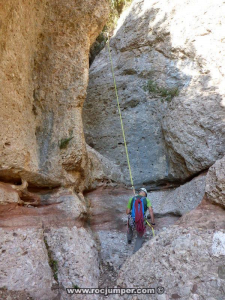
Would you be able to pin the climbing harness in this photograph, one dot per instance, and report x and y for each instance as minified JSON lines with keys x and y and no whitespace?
{"x":131,"y":223}
{"x":120,"y":115}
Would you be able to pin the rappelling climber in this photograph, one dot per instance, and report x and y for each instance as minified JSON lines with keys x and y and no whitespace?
{"x":136,"y":211}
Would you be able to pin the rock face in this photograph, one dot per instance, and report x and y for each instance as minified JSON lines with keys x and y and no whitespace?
{"x":166,"y":45}
{"x":48,"y":248}
{"x":187,"y":259}
{"x":76,"y":255}
{"x":44,"y":63}
{"x":108,"y":206}
{"x":108,"y":221}
{"x":180,"y":200}
{"x":168,"y":65}
{"x":101,"y":170}
{"x":215,"y":182}
{"x":44,"y":50}
{"x":25,"y":267}
{"x":8,"y":194}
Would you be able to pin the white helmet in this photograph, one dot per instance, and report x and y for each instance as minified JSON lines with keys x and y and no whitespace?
{"x":144,"y":190}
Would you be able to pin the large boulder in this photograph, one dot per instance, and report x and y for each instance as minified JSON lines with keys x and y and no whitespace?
{"x":24,"y":263}
{"x":102,"y":170}
{"x":180,"y":200}
{"x":44,"y":75}
{"x":45,"y":263}
{"x":167,"y":58}
{"x":76,"y":255}
{"x":8,"y":194}
{"x":215,"y":182}
{"x":48,"y":248}
{"x":187,"y":259}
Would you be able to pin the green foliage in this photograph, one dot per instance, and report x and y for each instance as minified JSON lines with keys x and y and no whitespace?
{"x":54,"y":266}
{"x":52,"y":263}
{"x":101,"y":38}
{"x":75,"y":286}
{"x":116,"y":8}
{"x":151,"y":87}
{"x":165,"y":92}
{"x":64,"y":142}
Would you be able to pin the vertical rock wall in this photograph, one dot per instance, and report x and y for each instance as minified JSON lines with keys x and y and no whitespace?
{"x":44,"y":64}
{"x":44,"y":74}
{"x":159,"y":47}
{"x":20,"y":28}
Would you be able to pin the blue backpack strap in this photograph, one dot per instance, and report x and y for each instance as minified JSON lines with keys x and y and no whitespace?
{"x":133,"y":207}
{"x":143,"y":208}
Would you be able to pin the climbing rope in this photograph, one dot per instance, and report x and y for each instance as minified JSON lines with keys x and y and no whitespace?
{"x":153,"y":232}
{"x":121,"y":120}
{"x":122,"y":127}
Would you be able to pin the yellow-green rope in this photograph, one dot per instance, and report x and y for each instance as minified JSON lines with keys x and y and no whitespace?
{"x":153,"y":232}
{"x":121,"y":120}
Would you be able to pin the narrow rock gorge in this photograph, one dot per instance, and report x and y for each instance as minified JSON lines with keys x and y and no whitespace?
{"x":64,"y":178}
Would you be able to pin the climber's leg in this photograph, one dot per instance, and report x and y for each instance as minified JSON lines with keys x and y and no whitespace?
{"x":129,"y":234}
{"x":139,"y":242}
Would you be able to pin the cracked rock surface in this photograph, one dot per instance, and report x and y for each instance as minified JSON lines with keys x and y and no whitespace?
{"x":170,"y":44}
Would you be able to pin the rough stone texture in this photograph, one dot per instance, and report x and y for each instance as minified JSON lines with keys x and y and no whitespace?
{"x":107,"y":207}
{"x":44,"y":53}
{"x":187,"y":259}
{"x":180,"y":200}
{"x":109,"y":223}
{"x":205,"y":216}
{"x":44,"y":49}
{"x":77,"y":257}
{"x":174,"y":44}
{"x":25,"y":267}
{"x":194,"y":122}
{"x":24,"y":263}
{"x":58,"y":208}
{"x":61,"y":220}
{"x":215,"y":182}
{"x":8,"y":194}
{"x":15,"y":295}
{"x":17,"y":46}
{"x":102,"y":170}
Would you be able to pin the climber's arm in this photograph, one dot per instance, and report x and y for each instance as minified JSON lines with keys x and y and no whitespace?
{"x":128,"y":209}
{"x":149,"y":205}
{"x":152,"y":215}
